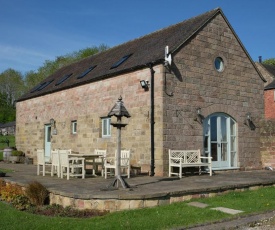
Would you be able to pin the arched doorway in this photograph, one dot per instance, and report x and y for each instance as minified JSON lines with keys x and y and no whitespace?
{"x":220,"y":140}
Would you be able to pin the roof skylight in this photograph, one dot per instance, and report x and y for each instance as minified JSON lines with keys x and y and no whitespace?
{"x":123,"y":59}
{"x":41,"y":86}
{"x":37,"y":87}
{"x":63,"y":79}
{"x":86,"y":72}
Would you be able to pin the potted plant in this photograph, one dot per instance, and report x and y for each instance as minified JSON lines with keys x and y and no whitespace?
{"x":16,"y":156}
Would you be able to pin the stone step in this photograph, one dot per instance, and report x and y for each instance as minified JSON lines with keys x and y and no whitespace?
{"x":228,"y":210}
{"x":198,"y":204}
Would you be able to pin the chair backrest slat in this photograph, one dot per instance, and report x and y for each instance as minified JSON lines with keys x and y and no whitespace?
{"x":64,"y":157}
{"x":101,"y":152}
{"x":125,"y":157}
{"x":40,"y":156}
{"x":55,"y":157}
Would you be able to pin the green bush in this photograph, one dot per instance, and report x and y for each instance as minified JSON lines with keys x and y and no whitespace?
{"x":37,"y":193}
{"x":1,"y":156}
{"x":21,"y":202}
{"x":17,"y":153}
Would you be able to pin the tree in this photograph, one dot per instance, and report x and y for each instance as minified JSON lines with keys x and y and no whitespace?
{"x":11,"y":85}
{"x":7,"y":112}
{"x":33,"y":78}
{"x":83,"y":53}
{"x":270,"y":61}
{"x":11,"y":88}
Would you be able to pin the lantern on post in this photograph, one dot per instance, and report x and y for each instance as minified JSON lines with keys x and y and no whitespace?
{"x":119,"y":111}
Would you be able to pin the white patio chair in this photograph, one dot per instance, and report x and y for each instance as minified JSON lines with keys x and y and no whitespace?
{"x":100,"y":160}
{"x":71,"y":166}
{"x":110,"y":163}
{"x":41,"y":162}
{"x":55,"y":163}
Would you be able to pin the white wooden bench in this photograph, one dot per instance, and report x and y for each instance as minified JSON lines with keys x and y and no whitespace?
{"x":187,"y":158}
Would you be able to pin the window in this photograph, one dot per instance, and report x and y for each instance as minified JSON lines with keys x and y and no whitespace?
{"x":63,"y":79}
{"x":123,"y":59}
{"x":37,"y":87}
{"x":106,"y":127}
{"x":74,"y":127}
{"x":219,"y":64}
{"x":86,"y":72}
{"x":41,"y":86}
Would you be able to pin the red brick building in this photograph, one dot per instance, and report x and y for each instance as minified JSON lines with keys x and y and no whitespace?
{"x":268,"y":71}
{"x":267,"y":126}
{"x":204,"y":92}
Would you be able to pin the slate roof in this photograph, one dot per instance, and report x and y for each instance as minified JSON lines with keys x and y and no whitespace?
{"x":145,"y":50}
{"x":271,"y":70}
{"x":9,"y":124}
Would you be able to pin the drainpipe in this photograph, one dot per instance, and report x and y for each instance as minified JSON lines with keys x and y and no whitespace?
{"x":152,"y":121}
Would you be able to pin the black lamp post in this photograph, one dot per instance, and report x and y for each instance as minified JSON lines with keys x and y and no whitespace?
{"x":119,"y":111}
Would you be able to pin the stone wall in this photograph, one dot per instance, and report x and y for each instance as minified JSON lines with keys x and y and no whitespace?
{"x":195,"y":83}
{"x":120,"y":204}
{"x":87,"y":104}
{"x":268,"y":143}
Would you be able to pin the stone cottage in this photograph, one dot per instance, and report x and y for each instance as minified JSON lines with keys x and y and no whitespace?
{"x":7,"y":128}
{"x":200,"y":90}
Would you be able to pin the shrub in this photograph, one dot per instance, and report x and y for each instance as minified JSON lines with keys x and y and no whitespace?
{"x":14,"y":194}
{"x":58,"y":210}
{"x":17,"y":153}
{"x":9,"y":191}
{"x":36,"y":193}
{"x":21,"y":202}
{"x":2,"y":184}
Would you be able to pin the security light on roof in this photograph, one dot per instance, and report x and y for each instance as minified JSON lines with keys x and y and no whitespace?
{"x":167,"y":57}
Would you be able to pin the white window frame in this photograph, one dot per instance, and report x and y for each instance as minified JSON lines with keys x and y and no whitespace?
{"x":219,"y":64}
{"x":106,"y":131}
{"x":74,"y":127}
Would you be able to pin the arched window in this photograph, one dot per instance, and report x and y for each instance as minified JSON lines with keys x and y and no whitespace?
{"x":220,"y":140}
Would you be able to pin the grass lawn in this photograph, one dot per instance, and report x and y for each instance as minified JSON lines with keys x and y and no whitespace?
{"x":4,"y":138}
{"x":163,"y":217}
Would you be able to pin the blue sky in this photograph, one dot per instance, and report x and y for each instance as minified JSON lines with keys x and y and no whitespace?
{"x":33,"y":31}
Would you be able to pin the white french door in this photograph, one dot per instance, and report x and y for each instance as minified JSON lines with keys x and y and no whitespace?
{"x":220,"y":140}
{"x":48,"y":142}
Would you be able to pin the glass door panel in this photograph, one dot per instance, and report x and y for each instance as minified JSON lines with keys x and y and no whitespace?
{"x":222,"y":123}
{"x":214,"y":151}
{"x":233,"y":144}
{"x":220,"y":140}
{"x":214,"y":138}
{"x":47,"y":143}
